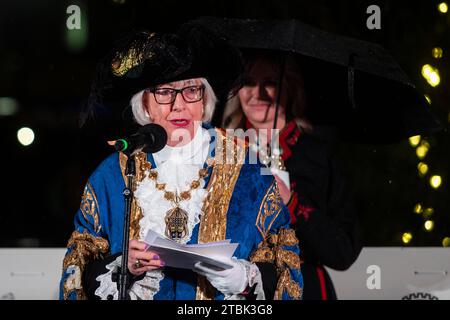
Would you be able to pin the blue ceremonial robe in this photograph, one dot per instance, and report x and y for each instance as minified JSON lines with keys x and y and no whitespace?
{"x":255,"y":212}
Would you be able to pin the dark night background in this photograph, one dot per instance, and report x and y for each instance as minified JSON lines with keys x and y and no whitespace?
{"x":47,"y":70}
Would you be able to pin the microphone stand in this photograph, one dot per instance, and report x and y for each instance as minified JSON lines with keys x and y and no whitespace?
{"x":155,"y":137}
{"x":124,"y":278}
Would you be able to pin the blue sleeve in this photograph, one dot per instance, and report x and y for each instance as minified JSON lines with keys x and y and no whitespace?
{"x":87,"y":242}
{"x":279,"y":245}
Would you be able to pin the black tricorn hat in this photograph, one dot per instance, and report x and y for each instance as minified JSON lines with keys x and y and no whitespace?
{"x":144,"y":59}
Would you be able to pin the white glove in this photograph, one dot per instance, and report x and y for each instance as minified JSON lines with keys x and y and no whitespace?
{"x":283,"y":175}
{"x":230,"y":281}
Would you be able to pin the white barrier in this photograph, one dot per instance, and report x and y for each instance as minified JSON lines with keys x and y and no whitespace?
{"x":379,"y":273}
{"x":396,"y":273}
{"x":30,"y":274}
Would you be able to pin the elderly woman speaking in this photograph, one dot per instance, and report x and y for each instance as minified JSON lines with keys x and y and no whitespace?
{"x":201,"y":179}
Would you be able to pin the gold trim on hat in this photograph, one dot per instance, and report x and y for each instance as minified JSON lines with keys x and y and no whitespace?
{"x":123,"y":62}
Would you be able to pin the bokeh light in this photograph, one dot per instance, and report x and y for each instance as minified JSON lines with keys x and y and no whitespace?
{"x":422,"y":149}
{"x":435,"y":181}
{"x":407,"y":237}
{"x":431,"y":74}
{"x":443,"y":7}
{"x":446,"y":242}
{"x":418,"y":208}
{"x":414,"y":141}
{"x":429,"y":225}
{"x":25,"y":136}
{"x":8,"y":106}
{"x":427,"y":213}
{"x":423,"y":169}
{"x":437,"y":52}
{"x":76,"y":36}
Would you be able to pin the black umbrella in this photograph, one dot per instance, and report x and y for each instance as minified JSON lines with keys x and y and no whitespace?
{"x":353,"y":85}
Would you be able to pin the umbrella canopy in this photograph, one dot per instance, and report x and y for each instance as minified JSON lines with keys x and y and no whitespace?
{"x":353,"y":85}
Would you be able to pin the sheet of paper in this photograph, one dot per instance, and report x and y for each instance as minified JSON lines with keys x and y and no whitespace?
{"x":174,"y":254}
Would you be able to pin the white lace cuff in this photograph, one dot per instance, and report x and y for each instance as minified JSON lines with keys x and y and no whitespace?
{"x":146,"y":288}
{"x":253,"y":277}
{"x":107,"y":286}
{"x":143,"y":289}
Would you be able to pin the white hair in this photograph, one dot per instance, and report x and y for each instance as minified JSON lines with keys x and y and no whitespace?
{"x":142,"y":117}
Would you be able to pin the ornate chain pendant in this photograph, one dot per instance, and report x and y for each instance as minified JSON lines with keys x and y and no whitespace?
{"x":176,"y":223}
{"x":176,"y":218}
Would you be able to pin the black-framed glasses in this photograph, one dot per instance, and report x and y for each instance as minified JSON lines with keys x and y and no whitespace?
{"x":168,"y":95}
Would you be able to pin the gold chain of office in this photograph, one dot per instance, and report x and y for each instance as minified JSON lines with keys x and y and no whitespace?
{"x":176,"y":218}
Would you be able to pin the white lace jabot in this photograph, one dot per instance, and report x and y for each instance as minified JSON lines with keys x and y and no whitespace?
{"x":177,"y":167}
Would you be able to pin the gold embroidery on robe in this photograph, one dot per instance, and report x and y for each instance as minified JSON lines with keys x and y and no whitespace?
{"x":89,"y":206}
{"x":270,"y":251}
{"x":223,"y":179}
{"x":285,"y":283}
{"x":85,"y":247}
{"x":270,"y":209}
{"x":142,"y":165}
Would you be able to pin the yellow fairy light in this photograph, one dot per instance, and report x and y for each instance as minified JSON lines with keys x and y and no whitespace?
{"x":431,"y":75}
{"x":406,"y":237}
{"x":423,"y":169}
{"x":421,"y":152}
{"x":429,"y":225}
{"x":446,"y":242}
{"x":434,"y":79}
{"x":426,"y":70}
{"x":443,"y":7}
{"x":435,"y":181}
{"x":423,"y":148}
{"x":418,"y":208}
{"x":414,"y":141}
{"x":437,"y":52}
{"x":428,"y":98}
{"x":428,"y":212}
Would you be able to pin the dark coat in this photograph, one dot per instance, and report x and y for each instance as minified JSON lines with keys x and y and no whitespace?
{"x":322,"y":210}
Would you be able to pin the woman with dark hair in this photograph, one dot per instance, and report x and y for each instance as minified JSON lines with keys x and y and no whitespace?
{"x":320,"y":203}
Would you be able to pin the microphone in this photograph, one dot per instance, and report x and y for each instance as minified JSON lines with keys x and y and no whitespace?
{"x":150,"y":138}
